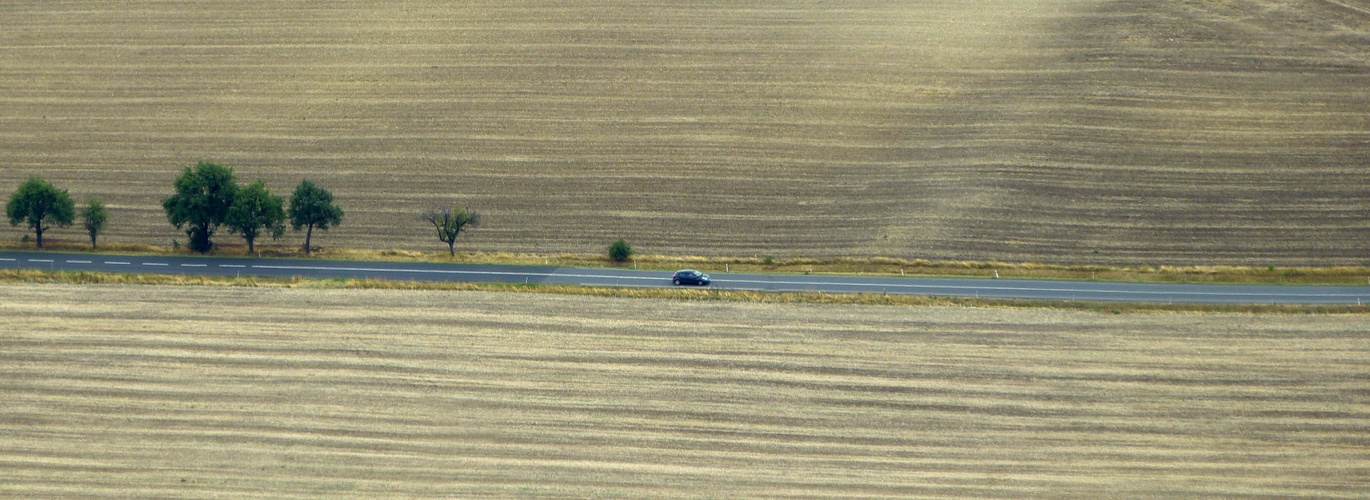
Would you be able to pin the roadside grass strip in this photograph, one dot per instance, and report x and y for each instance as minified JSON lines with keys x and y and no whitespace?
{"x":636,"y":292}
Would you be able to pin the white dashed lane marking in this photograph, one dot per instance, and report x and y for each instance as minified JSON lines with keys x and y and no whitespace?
{"x":458,"y":272}
{"x":1007,"y":288}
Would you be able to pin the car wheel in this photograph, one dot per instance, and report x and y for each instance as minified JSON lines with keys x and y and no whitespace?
{"x":676,"y":281}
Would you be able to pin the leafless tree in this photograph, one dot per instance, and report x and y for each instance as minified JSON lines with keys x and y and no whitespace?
{"x":449,"y":223}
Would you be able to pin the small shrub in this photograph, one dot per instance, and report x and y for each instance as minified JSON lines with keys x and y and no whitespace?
{"x":1270,"y":267}
{"x":620,"y":250}
{"x":770,"y":261}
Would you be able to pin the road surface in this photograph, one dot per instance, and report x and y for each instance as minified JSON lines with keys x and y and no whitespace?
{"x":947,"y":287}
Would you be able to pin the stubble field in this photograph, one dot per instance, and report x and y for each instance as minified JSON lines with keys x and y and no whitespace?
{"x":186,"y":392}
{"x":1077,"y":131}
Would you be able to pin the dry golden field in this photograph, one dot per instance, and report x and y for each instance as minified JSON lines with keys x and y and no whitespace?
{"x":1072,"y":131}
{"x":193,"y":392}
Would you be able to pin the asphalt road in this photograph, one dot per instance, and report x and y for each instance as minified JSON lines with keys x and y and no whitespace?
{"x":947,"y":287}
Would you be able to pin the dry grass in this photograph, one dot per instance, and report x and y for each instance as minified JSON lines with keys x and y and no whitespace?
{"x":162,"y":392}
{"x":1340,"y":275}
{"x":1120,"y":132}
{"x":686,"y":294}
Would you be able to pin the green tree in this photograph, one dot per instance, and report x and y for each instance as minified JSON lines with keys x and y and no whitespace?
{"x":312,"y":206}
{"x":255,"y":209}
{"x":93,"y":218}
{"x":620,"y":250}
{"x":449,"y":222}
{"x":203,"y":196}
{"x":40,"y":205}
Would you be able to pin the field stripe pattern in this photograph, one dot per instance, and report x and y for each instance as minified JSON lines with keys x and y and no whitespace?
{"x":1125,"y":131}
{"x":151,"y":392}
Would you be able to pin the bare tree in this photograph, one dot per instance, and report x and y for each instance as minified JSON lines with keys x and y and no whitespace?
{"x":449,"y":223}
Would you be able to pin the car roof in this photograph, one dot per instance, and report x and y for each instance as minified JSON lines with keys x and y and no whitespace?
{"x":686,"y":271}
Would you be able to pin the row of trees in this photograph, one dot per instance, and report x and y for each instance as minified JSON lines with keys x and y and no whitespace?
{"x":208,"y":197}
{"x":42,"y":206}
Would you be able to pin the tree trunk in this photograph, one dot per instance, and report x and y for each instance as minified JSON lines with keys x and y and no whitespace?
{"x":92,"y":241}
{"x":307,"y":236}
{"x":39,"y":229}
{"x":452,"y":247}
{"x":250,"y":250}
{"x":199,"y":239}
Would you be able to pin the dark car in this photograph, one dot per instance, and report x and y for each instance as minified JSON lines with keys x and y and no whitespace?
{"x":690,"y":277}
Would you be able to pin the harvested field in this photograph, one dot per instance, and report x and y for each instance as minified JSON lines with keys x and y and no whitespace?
{"x":1069,"y":131}
{"x":177,"y":392}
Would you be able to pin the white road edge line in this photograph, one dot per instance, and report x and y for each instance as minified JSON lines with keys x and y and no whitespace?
{"x":445,"y":271}
{"x":616,"y":285}
{"x":771,"y":285}
{"x":817,"y":283}
{"x":1041,"y":289}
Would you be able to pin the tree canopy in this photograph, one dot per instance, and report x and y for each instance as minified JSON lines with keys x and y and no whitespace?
{"x":312,"y":206}
{"x":93,"y":218}
{"x":620,"y":250}
{"x":40,"y":205}
{"x":449,"y":223}
{"x":201,"y":203}
{"x":255,"y":210}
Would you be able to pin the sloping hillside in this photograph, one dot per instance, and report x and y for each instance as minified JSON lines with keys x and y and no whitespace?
{"x":1070,"y":131}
